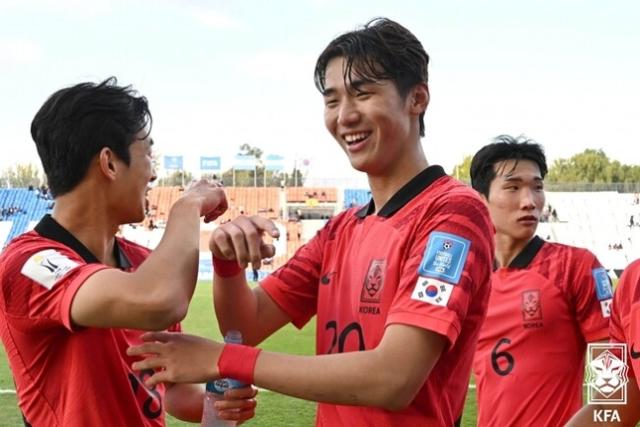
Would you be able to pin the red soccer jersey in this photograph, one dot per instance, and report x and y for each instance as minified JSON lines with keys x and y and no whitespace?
{"x":625,"y":316}
{"x":68,"y":375}
{"x":424,"y":260}
{"x":543,"y":309}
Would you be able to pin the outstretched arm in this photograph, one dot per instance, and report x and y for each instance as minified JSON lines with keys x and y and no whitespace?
{"x":401,"y":362}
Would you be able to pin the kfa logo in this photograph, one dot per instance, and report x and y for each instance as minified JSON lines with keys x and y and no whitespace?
{"x":373,"y":281}
{"x":607,"y":378}
{"x":531,"y":307}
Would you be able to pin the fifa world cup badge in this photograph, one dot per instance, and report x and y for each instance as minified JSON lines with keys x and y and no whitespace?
{"x":607,"y":378}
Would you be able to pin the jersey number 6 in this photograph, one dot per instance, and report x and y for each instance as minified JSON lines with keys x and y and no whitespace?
{"x":497,"y":355}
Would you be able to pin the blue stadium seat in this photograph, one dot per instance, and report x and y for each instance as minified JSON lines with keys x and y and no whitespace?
{"x":356,"y":197}
{"x":22,"y":198}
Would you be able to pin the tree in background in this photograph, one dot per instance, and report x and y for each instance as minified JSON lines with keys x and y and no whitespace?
{"x":176,"y":179}
{"x":21,"y":176}
{"x":589,"y":167}
{"x":592,"y":166}
{"x":462,"y":171}
{"x":245,"y":178}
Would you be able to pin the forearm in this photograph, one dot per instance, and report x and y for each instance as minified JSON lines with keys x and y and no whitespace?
{"x":170,"y":272}
{"x":388,"y":376}
{"x":236,"y":306}
{"x":184,"y":401}
{"x":355,"y":378}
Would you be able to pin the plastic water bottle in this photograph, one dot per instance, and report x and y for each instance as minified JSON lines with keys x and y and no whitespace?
{"x":215,"y":391}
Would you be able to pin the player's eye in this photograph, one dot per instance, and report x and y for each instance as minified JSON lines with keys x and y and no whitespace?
{"x":330,"y":103}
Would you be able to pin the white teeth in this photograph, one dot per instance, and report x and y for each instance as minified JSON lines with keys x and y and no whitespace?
{"x":355,"y":137}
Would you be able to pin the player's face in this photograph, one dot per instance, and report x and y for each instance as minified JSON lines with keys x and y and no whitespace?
{"x":136,"y":178}
{"x":370,"y":120}
{"x":516,"y":198}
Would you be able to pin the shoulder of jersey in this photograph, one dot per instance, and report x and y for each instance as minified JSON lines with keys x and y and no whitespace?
{"x":25,"y":245}
{"x":133,"y":246}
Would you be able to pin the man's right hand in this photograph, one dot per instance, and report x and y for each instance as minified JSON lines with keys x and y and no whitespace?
{"x":212,"y":198}
{"x":242,"y":240}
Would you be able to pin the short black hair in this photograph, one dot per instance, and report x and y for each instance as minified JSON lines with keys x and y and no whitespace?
{"x":76,"y":122}
{"x":381,"y":50}
{"x":504,"y":147}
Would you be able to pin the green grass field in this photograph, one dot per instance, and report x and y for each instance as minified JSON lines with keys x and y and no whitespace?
{"x":273,"y":409}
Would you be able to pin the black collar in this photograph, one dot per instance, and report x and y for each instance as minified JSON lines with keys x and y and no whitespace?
{"x":51,"y":229}
{"x":524,"y":258}
{"x":410,"y":190}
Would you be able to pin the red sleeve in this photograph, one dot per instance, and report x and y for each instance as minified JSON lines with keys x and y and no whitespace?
{"x":590,"y":292}
{"x":448,"y":267}
{"x":43,"y":282}
{"x":294,"y":286}
{"x":625,"y":315}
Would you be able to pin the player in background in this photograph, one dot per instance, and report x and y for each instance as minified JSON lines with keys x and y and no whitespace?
{"x":547,"y":301}
{"x":399,"y":286}
{"x":624,"y":327}
{"x":74,"y":296}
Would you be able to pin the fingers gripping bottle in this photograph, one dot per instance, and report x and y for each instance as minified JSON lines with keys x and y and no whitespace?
{"x":215,"y":391}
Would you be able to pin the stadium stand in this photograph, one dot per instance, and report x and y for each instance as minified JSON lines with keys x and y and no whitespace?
{"x":264,"y":201}
{"x":598,"y":221}
{"x":304,"y":194}
{"x":160,"y":201}
{"x":606,"y":222}
{"x":30,"y":208}
{"x":356,"y":197}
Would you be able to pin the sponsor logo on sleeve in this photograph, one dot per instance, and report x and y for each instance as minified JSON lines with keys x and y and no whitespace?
{"x":603,"y":284}
{"x":432,"y":291}
{"x":603,"y":290}
{"x":48,"y":267}
{"x":444,"y":257}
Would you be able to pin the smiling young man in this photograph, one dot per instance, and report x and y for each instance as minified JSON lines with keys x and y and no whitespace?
{"x":547,"y":300}
{"x":74,"y":296}
{"x":399,"y":286}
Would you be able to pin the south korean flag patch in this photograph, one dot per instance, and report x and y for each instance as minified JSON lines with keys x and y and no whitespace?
{"x":48,"y":267}
{"x":440,"y":268}
{"x":432,"y":291}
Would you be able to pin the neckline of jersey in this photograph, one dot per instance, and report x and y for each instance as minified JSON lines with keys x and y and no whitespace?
{"x":51,"y":229}
{"x":407,"y":193}
{"x":526,"y":255}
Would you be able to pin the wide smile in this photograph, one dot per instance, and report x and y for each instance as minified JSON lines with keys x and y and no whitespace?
{"x":356,"y":141}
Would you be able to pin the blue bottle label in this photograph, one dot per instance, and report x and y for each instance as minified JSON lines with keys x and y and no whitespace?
{"x":223,"y":384}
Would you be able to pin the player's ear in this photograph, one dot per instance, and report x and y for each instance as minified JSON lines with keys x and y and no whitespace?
{"x":107,"y":162}
{"x":419,"y":98}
